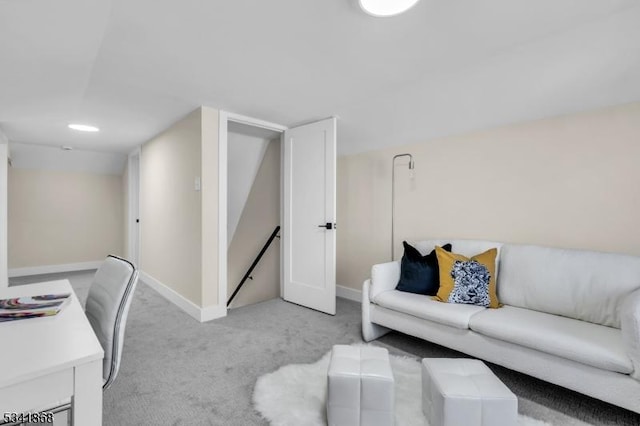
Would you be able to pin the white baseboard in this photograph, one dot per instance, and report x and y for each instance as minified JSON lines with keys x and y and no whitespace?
{"x":53,"y":269}
{"x":201,"y":314}
{"x":212,"y":312}
{"x":349,"y":293}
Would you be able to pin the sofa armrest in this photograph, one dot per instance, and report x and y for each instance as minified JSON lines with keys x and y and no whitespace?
{"x":630,"y":327}
{"x":370,"y":331}
{"x":384,"y":277}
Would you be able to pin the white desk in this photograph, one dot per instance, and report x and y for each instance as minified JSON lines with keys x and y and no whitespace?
{"x":46,"y":360}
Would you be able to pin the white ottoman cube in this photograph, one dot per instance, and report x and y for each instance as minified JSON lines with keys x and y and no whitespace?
{"x":360,"y":387}
{"x":465,"y":392}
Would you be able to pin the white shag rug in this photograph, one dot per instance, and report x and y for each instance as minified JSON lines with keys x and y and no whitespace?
{"x":295,"y":394}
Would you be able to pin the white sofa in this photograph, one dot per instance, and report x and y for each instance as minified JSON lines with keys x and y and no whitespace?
{"x":570,"y":317}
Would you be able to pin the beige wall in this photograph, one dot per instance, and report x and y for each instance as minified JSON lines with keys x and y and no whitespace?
{"x":566,"y":182}
{"x":58,"y":217}
{"x":261,"y":214}
{"x":178,"y":223}
{"x":171,"y":209}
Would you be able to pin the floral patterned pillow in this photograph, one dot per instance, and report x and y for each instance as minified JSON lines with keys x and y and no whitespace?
{"x":470,"y":281}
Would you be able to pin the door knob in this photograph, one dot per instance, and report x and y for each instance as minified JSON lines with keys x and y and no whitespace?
{"x":328,"y":225}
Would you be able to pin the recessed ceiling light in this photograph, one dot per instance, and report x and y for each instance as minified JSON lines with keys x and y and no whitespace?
{"x":83,"y":128}
{"x":384,"y":8}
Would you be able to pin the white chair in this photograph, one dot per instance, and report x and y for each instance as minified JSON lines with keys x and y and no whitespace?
{"x":107,"y":309}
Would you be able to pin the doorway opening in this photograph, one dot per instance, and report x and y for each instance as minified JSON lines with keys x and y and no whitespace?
{"x":303,"y":202}
{"x":133,"y":219}
{"x":253,"y":213}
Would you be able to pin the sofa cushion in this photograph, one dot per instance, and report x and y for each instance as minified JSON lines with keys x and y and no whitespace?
{"x":580,"y":341}
{"x":423,"y":307}
{"x":585,"y":285}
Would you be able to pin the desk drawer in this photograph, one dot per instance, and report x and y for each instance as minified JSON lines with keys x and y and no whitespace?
{"x":37,"y":393}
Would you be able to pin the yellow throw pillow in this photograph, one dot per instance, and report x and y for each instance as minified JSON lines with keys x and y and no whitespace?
{"x":468,"y":281}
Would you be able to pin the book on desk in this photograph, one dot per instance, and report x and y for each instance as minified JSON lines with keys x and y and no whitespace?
{"x":21,"y":308}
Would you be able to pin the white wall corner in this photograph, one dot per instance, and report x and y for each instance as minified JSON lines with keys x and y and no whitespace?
{"x":223,"y":247}
{"x":348,"y":293}
{"x":200,"y":314}
{"x":3,"y":137}
{"x":212,"y":312}
{"x":54,"y":269}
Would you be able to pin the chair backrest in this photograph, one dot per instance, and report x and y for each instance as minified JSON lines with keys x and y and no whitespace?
{"x":107,"y":308}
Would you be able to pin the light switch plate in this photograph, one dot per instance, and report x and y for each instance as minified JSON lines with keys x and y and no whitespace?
{"x":197,"y":185}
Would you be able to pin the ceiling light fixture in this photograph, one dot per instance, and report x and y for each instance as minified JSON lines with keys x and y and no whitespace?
{"x":385,"y":8}
{"x":84,"y":128}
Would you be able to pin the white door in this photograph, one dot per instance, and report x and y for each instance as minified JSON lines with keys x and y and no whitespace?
{"x":309,"y":252}
{"x":134,"y":209}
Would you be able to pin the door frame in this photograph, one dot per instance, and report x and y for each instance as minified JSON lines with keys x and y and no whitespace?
{"x":224,"y":117}
{"x":133,"y":192}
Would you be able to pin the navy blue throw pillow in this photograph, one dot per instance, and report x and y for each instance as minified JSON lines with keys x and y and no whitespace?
{"x":419,"y":274}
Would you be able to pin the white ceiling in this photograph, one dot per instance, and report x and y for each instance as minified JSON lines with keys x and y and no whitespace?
{"x":134,"y":67}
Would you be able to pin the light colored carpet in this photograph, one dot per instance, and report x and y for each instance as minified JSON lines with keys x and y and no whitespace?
{"x":176,"y":371}
{"x":296,"y":394}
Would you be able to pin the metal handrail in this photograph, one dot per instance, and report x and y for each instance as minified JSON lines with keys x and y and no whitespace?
{"x":274,"y":234}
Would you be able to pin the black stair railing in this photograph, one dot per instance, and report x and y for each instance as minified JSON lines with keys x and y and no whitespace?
{"x":274,"y":234}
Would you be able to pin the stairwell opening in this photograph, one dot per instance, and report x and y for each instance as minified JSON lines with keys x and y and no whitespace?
{"x":253,"y":213}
